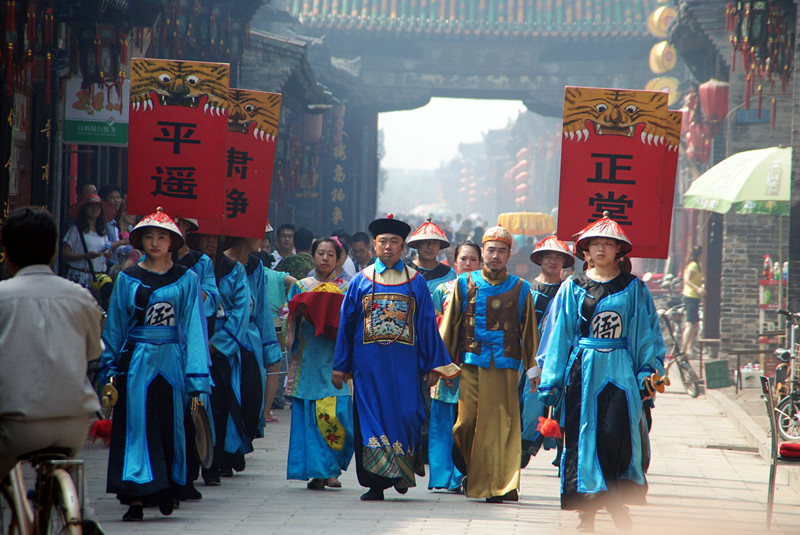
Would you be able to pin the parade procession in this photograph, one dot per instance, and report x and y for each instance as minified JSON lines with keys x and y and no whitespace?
{"x":244,"y":290}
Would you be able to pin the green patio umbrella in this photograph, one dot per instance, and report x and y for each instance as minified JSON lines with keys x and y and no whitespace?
{"x":750,"y":182}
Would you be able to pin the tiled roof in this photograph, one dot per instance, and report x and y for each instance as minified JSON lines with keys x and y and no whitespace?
{"x":479,"y":18}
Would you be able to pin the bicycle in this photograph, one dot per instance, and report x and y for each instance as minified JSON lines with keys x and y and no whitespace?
{"x":691,"y":381}
{"x":788,"y":406}
{"x":53,"y":506}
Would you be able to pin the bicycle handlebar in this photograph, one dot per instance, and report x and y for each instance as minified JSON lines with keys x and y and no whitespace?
{"x":792,"y":317}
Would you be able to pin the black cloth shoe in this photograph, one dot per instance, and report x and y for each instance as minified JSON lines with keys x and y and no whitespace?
{"x":238,"y":462}
{"x":316,"y":484}
{"x":166,"y":503}
{"x":372,"y":495}
{"x":495,"y":499}
{"x":621,"y":517}
{"x":211,"y":478}
{"x":511,"y":496}
{"x":135,"y":513}
{"x":226,"y":472}
{"x":192,"y":494}
{"x":401,"y":488}
{"x":586,"y":524}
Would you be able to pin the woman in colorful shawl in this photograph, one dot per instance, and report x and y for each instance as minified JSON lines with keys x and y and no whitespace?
{"x":321,"y":441}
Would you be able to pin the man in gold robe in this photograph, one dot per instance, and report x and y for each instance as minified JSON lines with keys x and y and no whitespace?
{"x":490,"y":331}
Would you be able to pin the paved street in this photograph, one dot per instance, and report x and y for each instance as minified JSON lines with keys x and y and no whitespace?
{"x":704,"y":478}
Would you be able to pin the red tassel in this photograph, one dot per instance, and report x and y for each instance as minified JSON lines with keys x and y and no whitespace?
{"x":548,"y":428}
{"x":49,"y":35}
{"x":10,"y":16}
{"x":123,"y":49}
{"x":747,"y":92}
{"x":10,"y":69}
{"x":772,"y":116}
{"x":120,"y":84}
{"x":100,"y":430}
{"x":98,"y":54}
{"x":30,"y":25}
{"x":760,"y":91}
{"x":47,"y":77}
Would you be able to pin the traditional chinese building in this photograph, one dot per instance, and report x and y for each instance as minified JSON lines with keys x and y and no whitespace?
{"x":757,"y":114}
{"x":395,"y":55}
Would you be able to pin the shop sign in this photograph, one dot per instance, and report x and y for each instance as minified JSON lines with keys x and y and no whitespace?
{"x":96,"y":114}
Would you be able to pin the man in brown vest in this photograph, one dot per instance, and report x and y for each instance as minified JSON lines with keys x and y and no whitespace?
{"x":490,"y":330}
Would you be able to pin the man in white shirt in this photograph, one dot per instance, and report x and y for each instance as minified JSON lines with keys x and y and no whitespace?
{"x":49,"y":330}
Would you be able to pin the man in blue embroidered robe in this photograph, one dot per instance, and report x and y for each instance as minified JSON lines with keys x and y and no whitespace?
{"x":387,"y":339}
{"x":490,"y":326}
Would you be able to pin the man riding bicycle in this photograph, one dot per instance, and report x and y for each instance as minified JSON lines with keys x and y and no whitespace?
{"x":49,"y":330}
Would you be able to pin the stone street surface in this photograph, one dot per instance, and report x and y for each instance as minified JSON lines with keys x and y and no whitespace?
{"x":705,"y":478}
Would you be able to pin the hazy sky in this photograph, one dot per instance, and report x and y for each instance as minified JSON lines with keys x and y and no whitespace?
{"x":428,"y":136}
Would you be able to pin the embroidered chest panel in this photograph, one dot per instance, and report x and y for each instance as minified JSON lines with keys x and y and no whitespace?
{"x":388,"y":318}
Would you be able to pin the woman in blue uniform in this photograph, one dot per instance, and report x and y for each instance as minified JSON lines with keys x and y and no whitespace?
{"x":259,"y":349}
{"x":552,"y":255}
{"x":444,"y":401}
{"x":231,"y":319}
{"x":600,"y":346}
{"x":155,"y":348}
{"x":321,"y":442}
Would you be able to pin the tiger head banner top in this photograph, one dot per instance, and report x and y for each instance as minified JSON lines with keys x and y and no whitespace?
{"x":177,"y":137}
{"x":251,"y":135}
{"x":619,"y":154}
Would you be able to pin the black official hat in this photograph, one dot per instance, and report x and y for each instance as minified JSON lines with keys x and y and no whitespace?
{"x":389,"y":225}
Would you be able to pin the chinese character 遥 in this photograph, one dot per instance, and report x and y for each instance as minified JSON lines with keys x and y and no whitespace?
{"x":176,"y":182}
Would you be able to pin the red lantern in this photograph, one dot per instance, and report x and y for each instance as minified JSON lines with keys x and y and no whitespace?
{"x":521,"y":187}
{"x":714,"y":99}
{"x":312,"y":128}
{"x":522,"y":176}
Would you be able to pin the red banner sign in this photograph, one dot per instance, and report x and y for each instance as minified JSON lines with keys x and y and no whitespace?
{"x":177,"y":141}
{"x":619,"y":154}
{"x":251,"y":134}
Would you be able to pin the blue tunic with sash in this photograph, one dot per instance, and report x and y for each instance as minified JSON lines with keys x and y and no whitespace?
{"x":600,"y":342}
{"x":531,"y":407}
{"x":230,"y":328}
{"x":444,"y":409}
{"x":155,"y":347}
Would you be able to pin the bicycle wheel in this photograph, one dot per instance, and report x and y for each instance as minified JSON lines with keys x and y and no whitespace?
{"x":9,"y":523}
{"x":788,"y":413}
{"x":60,"y":513}
{"x":689,"y":377}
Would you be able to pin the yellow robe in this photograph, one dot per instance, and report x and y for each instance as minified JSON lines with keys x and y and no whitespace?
{"x":487,"y":431}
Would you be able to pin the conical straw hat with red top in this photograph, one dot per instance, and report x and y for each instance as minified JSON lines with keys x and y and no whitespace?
{"x":157,"y":220}
{"x":605,"y":227}
{"x":552,"y":244}
{"x":428,"y":231}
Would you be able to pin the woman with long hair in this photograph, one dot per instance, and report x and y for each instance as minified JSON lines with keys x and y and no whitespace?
{"x":321,"y":442}
{"x":693,"y":290}
{"x":444,"y":401}
{"x":86,"y":246}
